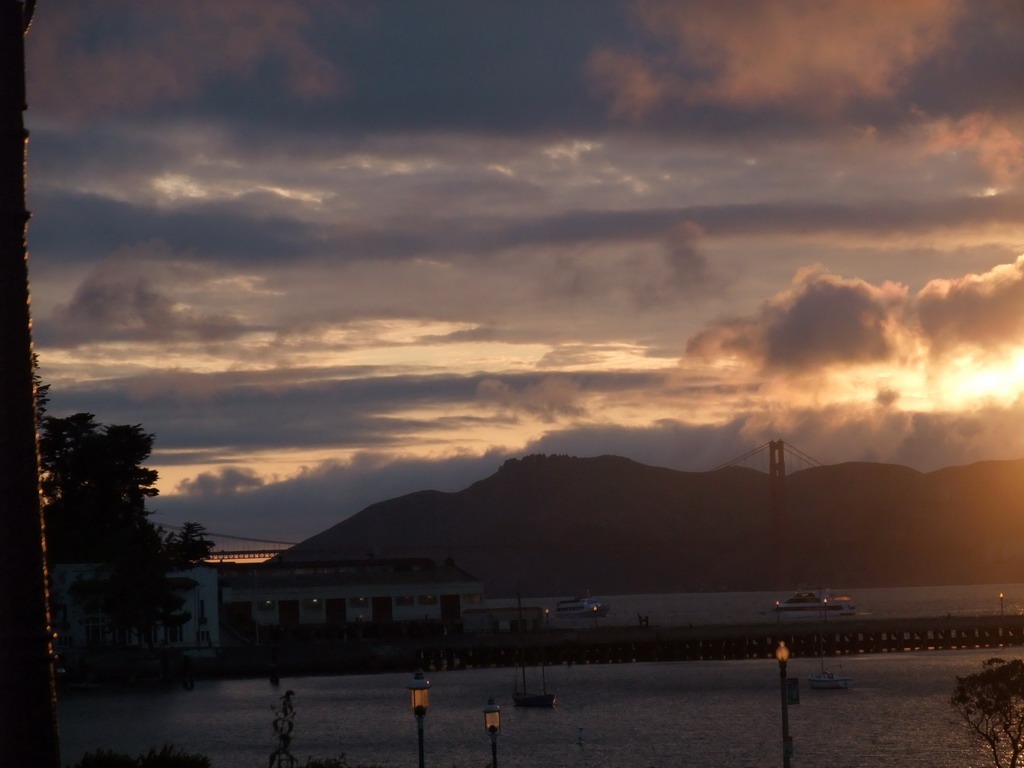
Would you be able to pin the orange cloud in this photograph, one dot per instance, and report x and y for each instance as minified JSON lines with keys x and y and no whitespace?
{"x":996,"y":147}
{"x":631,"y":86}
{"x":77,"y":68}
{"x":823,"y":320}
{"x":985,"y":311}
{"x":816,"y":55}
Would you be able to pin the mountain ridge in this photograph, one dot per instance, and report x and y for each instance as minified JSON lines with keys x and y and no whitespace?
{"x":557,"y":525}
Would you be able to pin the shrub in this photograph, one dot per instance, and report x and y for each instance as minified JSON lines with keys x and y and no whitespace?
{"x":166,"y":757}
{"x":333,"y":762}
{"x":105,"y":758}
{"x":170,"y":757}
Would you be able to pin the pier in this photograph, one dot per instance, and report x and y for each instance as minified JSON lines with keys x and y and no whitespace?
{"x":450,"y":650}
{"x":619,"y":645}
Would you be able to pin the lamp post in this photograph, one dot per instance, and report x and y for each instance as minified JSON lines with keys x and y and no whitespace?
{"x":782,"y":654}
{"x":419,"y":687}
{"x":1000,"y":603}
{"x":492,"y":724}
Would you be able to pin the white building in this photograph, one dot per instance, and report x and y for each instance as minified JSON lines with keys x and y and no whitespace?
{"x":336,"y":593}
{"x":80,"y":622}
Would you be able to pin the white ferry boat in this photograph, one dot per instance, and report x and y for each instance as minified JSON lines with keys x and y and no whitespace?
{"x":815,"y":604}
{"x":581,"y":607}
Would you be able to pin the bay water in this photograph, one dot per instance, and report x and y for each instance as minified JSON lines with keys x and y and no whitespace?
{"x":711,"y":714}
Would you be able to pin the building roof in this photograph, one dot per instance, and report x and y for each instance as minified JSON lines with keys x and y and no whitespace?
{"x":339,"y":573}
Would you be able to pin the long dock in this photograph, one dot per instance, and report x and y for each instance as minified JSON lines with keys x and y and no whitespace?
{"x":593,"y":644}
{"x":614,"y":645}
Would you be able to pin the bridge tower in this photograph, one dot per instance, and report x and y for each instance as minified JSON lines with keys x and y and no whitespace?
{"x":779,"y":510}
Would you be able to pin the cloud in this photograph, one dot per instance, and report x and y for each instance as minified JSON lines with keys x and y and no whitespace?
{"x":325,"y":494}
{"x":631,"y":86}
{"x":823,"y":320}
{"x":549,"y":398}
{"x":996,"y":146}
{"x":118,"y":300}
{"x":82,"y":63}
{"x":984,"y":311}
{"x":332,"y":491}
{"x":223,"y":482}
{"x":811,"y":56}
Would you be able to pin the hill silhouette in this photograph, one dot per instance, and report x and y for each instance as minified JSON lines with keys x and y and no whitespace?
{"x":557,"y":525}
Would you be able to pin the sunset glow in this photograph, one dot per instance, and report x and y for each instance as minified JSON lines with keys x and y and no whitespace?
{"x":329,"y":257}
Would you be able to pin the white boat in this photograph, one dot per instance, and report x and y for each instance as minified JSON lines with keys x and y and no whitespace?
{"x":581,"y":607}
{"x":819,"y":603}
{"x":825,"y":679}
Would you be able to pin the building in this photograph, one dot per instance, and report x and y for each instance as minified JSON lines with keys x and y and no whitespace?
{"x":338,"y":593}
{"x":81,"y":623}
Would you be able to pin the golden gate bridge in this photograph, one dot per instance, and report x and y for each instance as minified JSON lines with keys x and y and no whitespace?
{"x":227,"y":547}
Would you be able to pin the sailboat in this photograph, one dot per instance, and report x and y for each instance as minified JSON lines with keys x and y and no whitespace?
{"x":522,"y":698}
{"x":824,"y":678}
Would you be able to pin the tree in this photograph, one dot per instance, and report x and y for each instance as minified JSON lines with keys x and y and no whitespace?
{"x":991,"y":703}
{"x":94,"y":487}
{"x":189,"y":547}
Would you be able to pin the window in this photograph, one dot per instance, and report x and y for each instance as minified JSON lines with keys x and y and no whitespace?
{"x":475,"y":599}
{"x":405,"y":600}
{"x":427,"y":599}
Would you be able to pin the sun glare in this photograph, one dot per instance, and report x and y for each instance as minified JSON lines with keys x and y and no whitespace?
{"x":969,"y":382}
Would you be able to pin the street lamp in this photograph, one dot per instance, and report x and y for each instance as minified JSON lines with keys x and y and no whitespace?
{"x":419,"y":687}
{"x":1000,"y":603}
{"x":492,"y":724}
{"x":782,"y":654}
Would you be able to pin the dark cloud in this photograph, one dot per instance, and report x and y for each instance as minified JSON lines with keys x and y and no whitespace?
{"x":118,"y":301}
{"x":275,"y":409}
{"x":224,"y":482}
{"x":84,"y":228}
{"x":825,"y":320}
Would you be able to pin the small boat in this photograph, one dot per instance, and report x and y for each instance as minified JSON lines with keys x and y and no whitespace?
{"x":539,"y":700}
{"x":825,"y":679}
{"x":581,"y":607}
{"x":522,"y":698}
{"x":820,"y":603}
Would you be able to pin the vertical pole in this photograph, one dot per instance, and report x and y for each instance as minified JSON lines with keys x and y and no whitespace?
{"x":494,"y":750}
{"x":780,"y":518}
{"x":419,"y":731}
{"x":786,"y":744}
{"x":28,"y":708}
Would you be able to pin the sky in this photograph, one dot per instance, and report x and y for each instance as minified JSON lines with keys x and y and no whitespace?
{"x":331,"y":252}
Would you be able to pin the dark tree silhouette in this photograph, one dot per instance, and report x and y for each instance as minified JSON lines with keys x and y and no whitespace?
{"x":991,"y":703}
{"x":94,"y":490}
{"x":189,"y":547}
{"x":94,"y":487}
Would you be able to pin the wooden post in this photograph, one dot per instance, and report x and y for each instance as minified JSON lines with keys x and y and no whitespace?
{"x":28,"y":707}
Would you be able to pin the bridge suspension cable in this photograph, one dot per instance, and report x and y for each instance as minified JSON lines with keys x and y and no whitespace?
{"x":227,"y":546}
